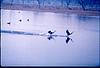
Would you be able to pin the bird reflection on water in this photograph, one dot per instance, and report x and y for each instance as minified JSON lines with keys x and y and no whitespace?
{"x":49,"y":37}
{"x":67,"y":36}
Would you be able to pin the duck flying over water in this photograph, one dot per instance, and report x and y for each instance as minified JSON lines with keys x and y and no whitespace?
{"x":68,"y":33}
{"x":50,"y":32}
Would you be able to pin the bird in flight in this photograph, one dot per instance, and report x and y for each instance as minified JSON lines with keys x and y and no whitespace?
{"x":68,"y":33}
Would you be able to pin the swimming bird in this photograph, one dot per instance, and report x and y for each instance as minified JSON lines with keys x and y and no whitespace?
{"x":20,"y":20}
{"x":9,"y":23}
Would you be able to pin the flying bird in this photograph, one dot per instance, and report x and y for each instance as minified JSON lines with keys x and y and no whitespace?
{"x":50,"y":32}
{"x":68,"y":33}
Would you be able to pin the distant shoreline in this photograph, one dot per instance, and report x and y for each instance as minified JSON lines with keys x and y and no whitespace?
{"x":50,"y":9}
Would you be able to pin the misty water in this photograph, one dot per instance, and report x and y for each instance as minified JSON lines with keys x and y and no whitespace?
{"x":30,"y":50}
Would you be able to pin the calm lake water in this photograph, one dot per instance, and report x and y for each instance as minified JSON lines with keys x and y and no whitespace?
{"x":30,"y":50}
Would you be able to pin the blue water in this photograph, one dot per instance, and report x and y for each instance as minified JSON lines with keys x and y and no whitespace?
{"x":31,"y":50}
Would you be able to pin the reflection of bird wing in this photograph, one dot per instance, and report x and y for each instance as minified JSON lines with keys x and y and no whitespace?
{"x":50,"y":37}
{"x":67,"y":40}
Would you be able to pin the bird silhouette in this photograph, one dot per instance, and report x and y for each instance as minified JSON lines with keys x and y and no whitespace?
{"x":68,"y":33}
{"x":50,"y":32}
{"x":27,"y":19}
{"x":9,"y":23}
{"x":20,"y":20}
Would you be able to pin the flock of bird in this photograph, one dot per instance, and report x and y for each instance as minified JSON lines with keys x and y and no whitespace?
{"x":50,"y":36}
{"x":67,"y":36}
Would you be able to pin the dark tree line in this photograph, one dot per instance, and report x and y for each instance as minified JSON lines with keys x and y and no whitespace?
{"x":63,"y":3}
